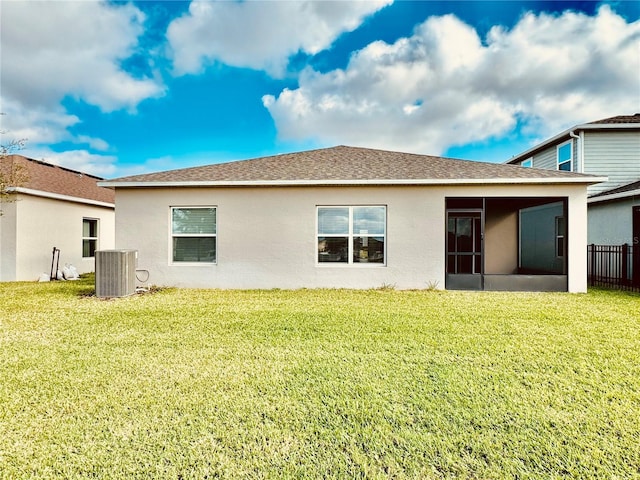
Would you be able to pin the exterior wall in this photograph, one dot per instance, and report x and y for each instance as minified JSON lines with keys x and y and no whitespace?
{"x":266,"y":237}
{"x":610,"y":223}
{"x":8,"y":242}
{"x":501,"y":239}
{"x":614,"y":154}
{"x":43,"y":223}
{"x":548,"y":158}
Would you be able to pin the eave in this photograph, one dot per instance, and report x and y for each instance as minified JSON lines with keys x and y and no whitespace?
{"x":614,"y":196}
{"x":57,"y":196}
{"x":585,"y":180}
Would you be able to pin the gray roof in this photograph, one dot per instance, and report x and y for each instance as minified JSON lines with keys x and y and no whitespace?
{"x":629,"y":187}
{"x":635,"y":118}
{"x":344,"y":165}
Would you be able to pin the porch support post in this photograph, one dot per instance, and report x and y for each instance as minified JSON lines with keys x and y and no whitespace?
{"x":577,"y":240}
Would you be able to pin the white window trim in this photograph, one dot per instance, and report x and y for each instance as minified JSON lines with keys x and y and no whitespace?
{"x":570,"y":161}
{"x":96,"y":238}
{"x":528,"y":163}
{"x":350,"y":236}
{"x":171,"y":237}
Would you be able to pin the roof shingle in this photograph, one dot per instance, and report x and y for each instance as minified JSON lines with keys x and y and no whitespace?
{"x":629,"y":187}
{"x":619,"y":119}
{"x":343,"y":163}
{"x":45,"y":177}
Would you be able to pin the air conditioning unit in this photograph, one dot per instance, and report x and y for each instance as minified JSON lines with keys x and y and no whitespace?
{"x":115,"y":272}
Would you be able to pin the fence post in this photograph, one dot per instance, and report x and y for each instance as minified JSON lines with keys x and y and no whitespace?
{"x":635,"y":264}
{"x":625,"y":264}
{"x":593,"y":264}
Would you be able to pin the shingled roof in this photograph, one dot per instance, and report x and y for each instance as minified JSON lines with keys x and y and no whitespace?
{"x":631,"y":188}
{"x":344,"y":165}
{"x":635,"y":118}
{"x":36,"y":177}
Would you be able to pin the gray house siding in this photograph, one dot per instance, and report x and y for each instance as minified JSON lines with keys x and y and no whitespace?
{"x":612,"y":154}
{"x":546,"y":159}
{"x":609,"y":223}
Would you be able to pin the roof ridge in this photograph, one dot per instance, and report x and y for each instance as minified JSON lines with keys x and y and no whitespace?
{"x":344,"y":165}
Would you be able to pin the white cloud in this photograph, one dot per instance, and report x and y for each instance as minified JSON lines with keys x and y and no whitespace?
{"x":260,"y":35}
{"x":53,"y":50}
{"x":443,"y":86}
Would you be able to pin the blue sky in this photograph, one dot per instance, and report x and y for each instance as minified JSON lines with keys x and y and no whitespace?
{"x":119,"y":88}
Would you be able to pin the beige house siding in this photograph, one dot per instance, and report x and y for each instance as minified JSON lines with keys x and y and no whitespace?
{"x":266,"y":236}
{"x":501,"y":240}
{"x":38,"y":225}
{"x":8,"y":242}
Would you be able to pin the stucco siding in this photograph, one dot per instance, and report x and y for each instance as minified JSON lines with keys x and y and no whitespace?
{"x":613,"y":154}
{"x":610,"y":223}
{"x":8,"y":242}
{"x":43,"y":223}
{"x":266,"y":237}
{"x":501,"y":239}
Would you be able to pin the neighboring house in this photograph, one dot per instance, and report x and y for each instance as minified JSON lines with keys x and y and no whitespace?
{"x":611,"y":148}
{"x":51,"y":206}
{"x":347,"y":217}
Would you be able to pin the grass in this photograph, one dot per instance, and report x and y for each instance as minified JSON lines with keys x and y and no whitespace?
{"x":318,"y":384}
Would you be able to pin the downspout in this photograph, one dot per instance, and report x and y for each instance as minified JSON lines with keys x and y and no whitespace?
{"x":579,"y":151}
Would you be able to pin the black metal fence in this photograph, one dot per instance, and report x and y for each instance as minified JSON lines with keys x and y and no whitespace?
{"x":614,"y":266}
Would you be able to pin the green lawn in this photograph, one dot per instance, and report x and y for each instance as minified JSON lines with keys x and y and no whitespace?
{"x":318,"y":384}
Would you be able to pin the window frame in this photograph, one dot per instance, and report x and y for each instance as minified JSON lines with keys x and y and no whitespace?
{"x":564,"y":162}
{"x":560,"y":234}
{"x":351,"y":236}
{"x":90,"y":238}
{"x":172,"y":235}
{"x":528,"y":163}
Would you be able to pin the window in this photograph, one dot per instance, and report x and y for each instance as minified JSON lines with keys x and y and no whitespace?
{"x":560,"y":234}
{"x":565,"y":156}
{"x":351,"y":235}
{"x":193,"y":234}
{"x":527,"y":163}
{"x":89,"y":237}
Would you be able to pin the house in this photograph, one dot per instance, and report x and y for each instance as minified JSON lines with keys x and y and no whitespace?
{"x":50,"y":206}
{"x":347,"y":217}
{"x":611,"y":148}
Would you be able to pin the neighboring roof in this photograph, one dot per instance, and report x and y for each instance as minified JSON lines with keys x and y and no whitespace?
{"x":39,"y":178}
{"x":620,"y":122}
{"x":348,"y":166}
{"x":629,"y":190}
{"x":635,"y":118}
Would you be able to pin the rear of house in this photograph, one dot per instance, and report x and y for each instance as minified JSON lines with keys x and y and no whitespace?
{"x":348,"y":217}
{"x":51,"y":206}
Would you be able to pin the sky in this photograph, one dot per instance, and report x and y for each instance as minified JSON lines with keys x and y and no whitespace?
{"x":121,"y":88}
